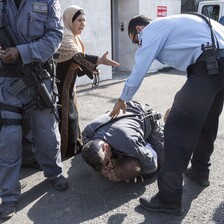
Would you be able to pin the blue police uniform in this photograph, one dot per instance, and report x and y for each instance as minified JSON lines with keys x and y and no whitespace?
{"x":38,"y":27}
{"x":192,"y":125}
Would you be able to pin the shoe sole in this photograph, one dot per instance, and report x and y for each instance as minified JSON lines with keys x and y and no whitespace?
{"x":176,"y":212}
{"x":8,"y":216}
{"x":60,"y":189}
{"x":61,"y":185}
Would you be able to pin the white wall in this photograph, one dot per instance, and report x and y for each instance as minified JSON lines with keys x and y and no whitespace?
{"x":97,"y":33}
{"x":126,"y":49}
{"x":150,"y":8}
{"x":126,"y":12}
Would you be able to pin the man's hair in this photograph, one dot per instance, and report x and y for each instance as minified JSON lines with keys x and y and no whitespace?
{"x":139,"y":20}
{"x":91,"y":155}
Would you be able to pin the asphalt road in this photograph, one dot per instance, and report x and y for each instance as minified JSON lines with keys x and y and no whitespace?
{"x":93,"y":199}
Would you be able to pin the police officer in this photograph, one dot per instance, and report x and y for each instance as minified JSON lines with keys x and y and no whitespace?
{"x":193,"y":44}
{"x":38,"y":28}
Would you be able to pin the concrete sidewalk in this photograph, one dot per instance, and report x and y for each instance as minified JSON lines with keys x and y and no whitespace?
{"x":93,"y":199}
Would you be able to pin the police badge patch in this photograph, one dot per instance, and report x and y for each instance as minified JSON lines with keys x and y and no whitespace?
{"x":40,"y":7}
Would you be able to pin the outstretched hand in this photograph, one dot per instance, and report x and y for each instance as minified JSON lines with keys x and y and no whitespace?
{"x":120,"y":105}
{"x":105,"y":60}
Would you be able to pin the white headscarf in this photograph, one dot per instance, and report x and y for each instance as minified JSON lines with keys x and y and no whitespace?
{"x":71,"y":44}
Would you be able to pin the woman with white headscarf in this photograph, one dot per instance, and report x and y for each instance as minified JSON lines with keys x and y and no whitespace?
{"x":71,"y":63}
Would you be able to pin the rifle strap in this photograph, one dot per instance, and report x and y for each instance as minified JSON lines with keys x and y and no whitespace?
{"x":3,"y":8}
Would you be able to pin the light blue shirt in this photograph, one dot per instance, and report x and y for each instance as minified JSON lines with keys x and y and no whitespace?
{"x":37,"y":26}
{"x":175,"y":41}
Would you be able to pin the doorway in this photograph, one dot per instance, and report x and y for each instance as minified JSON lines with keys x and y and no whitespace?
{"x":114,"y":33}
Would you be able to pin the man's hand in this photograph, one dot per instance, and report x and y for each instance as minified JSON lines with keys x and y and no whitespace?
{"x":10,"y":55}
{"x":113,"y":176}
{"x":107,"y":169}
{"x":120,"y":105}
{"x":109,"y":172}
{"x":2,"y":53}
{"x":104,"y":60}
{"x":166,"y":115}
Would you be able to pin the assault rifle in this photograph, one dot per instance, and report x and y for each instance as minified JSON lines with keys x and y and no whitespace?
{"x":37,"y":73}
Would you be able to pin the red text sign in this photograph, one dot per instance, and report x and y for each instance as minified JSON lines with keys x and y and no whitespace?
{"x":161,"y":11}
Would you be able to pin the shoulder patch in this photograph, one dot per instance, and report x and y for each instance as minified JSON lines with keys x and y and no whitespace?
{"x":40,"y":7}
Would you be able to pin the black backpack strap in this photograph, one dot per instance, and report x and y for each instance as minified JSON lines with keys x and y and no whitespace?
{"x":209,"y":24}
{"x":153,"y":116}
{"x":202,"y":16}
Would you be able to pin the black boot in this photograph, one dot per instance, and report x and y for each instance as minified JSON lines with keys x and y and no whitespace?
{"x":197,"y":177}
{"x":60,"y":183}
{"x":155,"y":204}
{"x":7,"y":209}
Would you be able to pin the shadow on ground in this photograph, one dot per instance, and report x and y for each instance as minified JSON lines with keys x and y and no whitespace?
{"x":89,"y":196}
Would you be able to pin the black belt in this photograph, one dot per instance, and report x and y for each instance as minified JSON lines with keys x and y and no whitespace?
{"x":220,"y":54}
{"x":11,"y":108}
{"x":7,"y":122}
{"x":10,"y":70}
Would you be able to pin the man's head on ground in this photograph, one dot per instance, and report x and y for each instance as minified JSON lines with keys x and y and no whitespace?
{"x":136,"y":25}
{"x":126,"y":168}
{"x":97,"y":154}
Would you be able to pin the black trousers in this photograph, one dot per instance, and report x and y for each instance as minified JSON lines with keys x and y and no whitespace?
{"x":191,"y":128}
